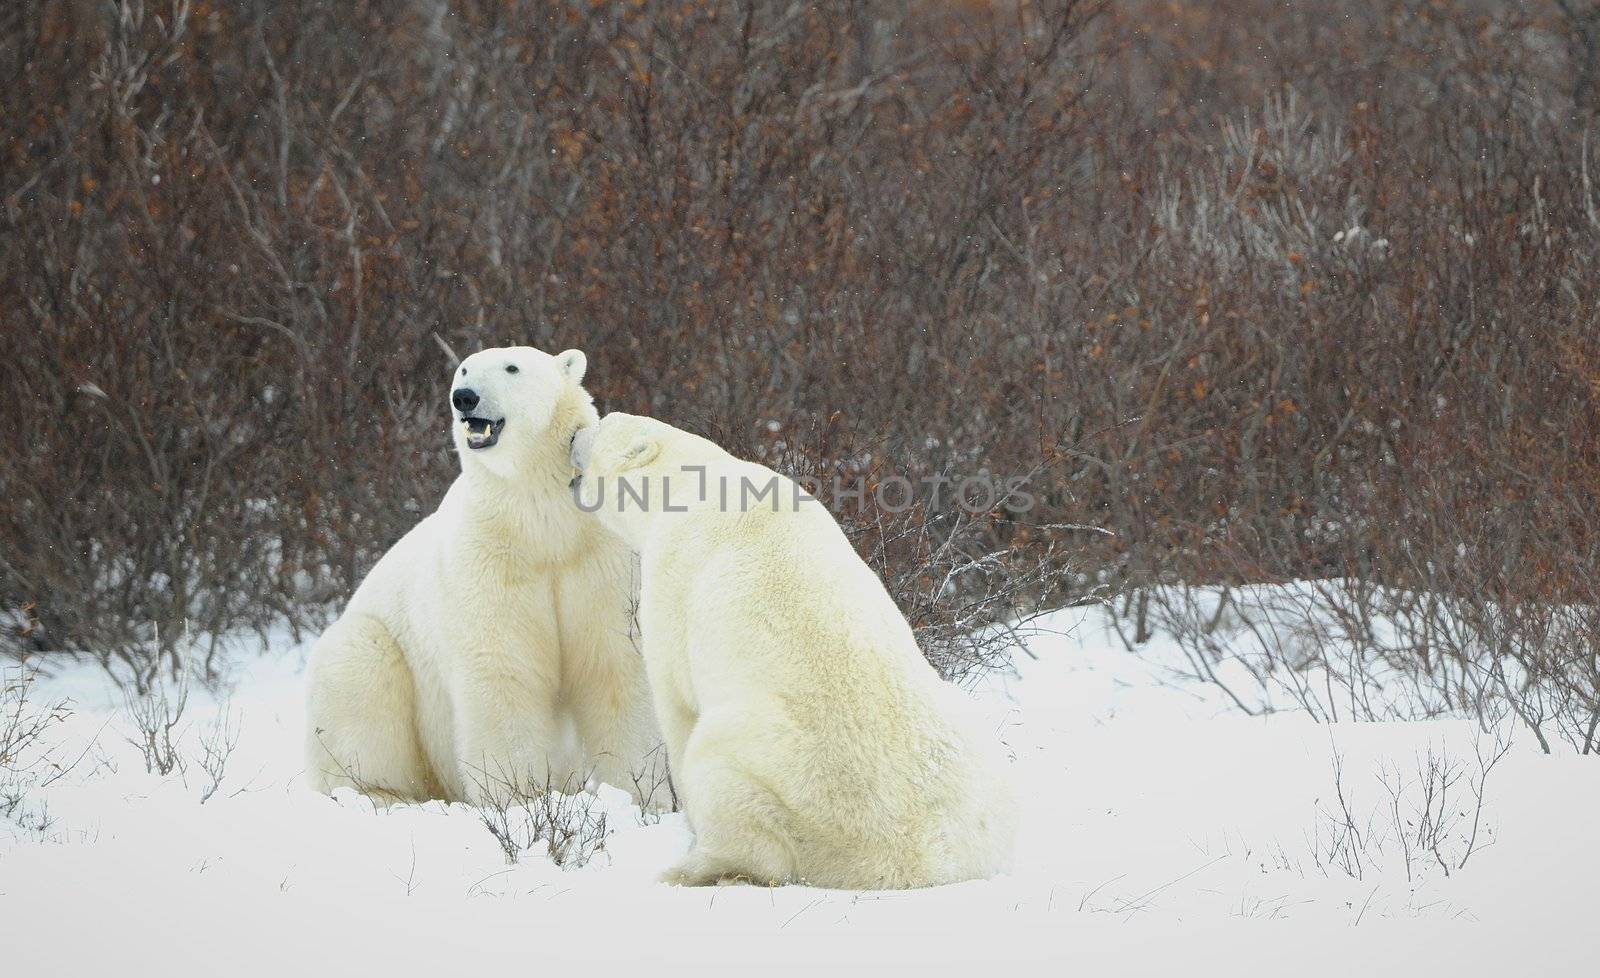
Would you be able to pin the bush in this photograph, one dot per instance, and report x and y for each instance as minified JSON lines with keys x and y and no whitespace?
{"x":1268,"y":292}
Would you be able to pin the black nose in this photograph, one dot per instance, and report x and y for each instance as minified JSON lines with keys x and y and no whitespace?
{"x":464,"y":398}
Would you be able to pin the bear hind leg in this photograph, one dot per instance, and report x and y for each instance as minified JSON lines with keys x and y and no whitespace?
{"x":361,"y":716}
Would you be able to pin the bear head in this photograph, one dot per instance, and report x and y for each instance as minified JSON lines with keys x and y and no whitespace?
{"x":633,"y":470}
{"x":616,"y":477}
{"x":515,"y":409}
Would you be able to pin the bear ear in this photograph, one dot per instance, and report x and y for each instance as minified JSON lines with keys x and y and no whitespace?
{"x":641,"y":452}
{"x":572,"y":364}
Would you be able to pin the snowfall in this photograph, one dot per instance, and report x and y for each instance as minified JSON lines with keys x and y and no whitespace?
{"x":1165,"y":831}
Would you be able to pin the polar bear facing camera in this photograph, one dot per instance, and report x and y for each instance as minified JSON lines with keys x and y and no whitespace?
{"x":809,"y":739}
{"x":493,"y":646}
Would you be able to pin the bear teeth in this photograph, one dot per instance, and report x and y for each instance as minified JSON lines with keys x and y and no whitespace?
{"x":479,"y":432}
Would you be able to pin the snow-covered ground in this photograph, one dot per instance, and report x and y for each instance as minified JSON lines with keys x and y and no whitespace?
{"x":1164,"y":833}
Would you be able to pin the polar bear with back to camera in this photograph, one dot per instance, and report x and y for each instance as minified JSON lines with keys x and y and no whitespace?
{"x":494,"y":643}
{"x":808,"y":738}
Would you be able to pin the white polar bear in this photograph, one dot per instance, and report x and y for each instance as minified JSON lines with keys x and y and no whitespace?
{"x":809,"y":739}
{"x":494,"y":644}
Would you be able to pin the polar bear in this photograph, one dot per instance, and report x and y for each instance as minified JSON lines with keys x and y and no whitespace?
{"x":808,"y":738}
{"x":494,"y":645}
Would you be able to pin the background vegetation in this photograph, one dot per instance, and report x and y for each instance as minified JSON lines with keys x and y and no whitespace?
{"x":1269,"y":291}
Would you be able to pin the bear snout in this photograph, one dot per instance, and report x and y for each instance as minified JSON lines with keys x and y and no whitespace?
{"x":582,"y":442}
{"x":464,"y":399}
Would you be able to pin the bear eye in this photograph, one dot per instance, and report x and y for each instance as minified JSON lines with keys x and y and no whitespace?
{"x":511,"y":368}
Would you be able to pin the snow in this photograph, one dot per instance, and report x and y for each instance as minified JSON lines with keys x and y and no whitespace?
{"x":1164,"y":831}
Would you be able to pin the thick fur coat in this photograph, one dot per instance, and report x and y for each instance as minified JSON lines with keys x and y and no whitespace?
{"x":809,"y":739}
{"x":493,"y":648}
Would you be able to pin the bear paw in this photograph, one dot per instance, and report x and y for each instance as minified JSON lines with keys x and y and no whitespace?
{"x":699,"y":870}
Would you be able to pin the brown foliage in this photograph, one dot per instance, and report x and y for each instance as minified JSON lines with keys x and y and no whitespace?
{"x":1114,"y":251}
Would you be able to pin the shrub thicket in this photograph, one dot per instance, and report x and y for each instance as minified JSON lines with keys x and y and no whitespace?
{"x":1267,"y":290}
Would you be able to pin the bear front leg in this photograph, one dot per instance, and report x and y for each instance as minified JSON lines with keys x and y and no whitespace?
{"x":740,"y":826}
{"x":510,"y":742}
{"x":610,"y":700}
{"x":677,"y":723}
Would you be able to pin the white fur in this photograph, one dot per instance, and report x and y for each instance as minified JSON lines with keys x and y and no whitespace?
{"x":808,"y":737}
{"x":493,"y":643}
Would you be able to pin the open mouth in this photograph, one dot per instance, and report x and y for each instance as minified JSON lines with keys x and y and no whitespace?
{"x":481,"y":432}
